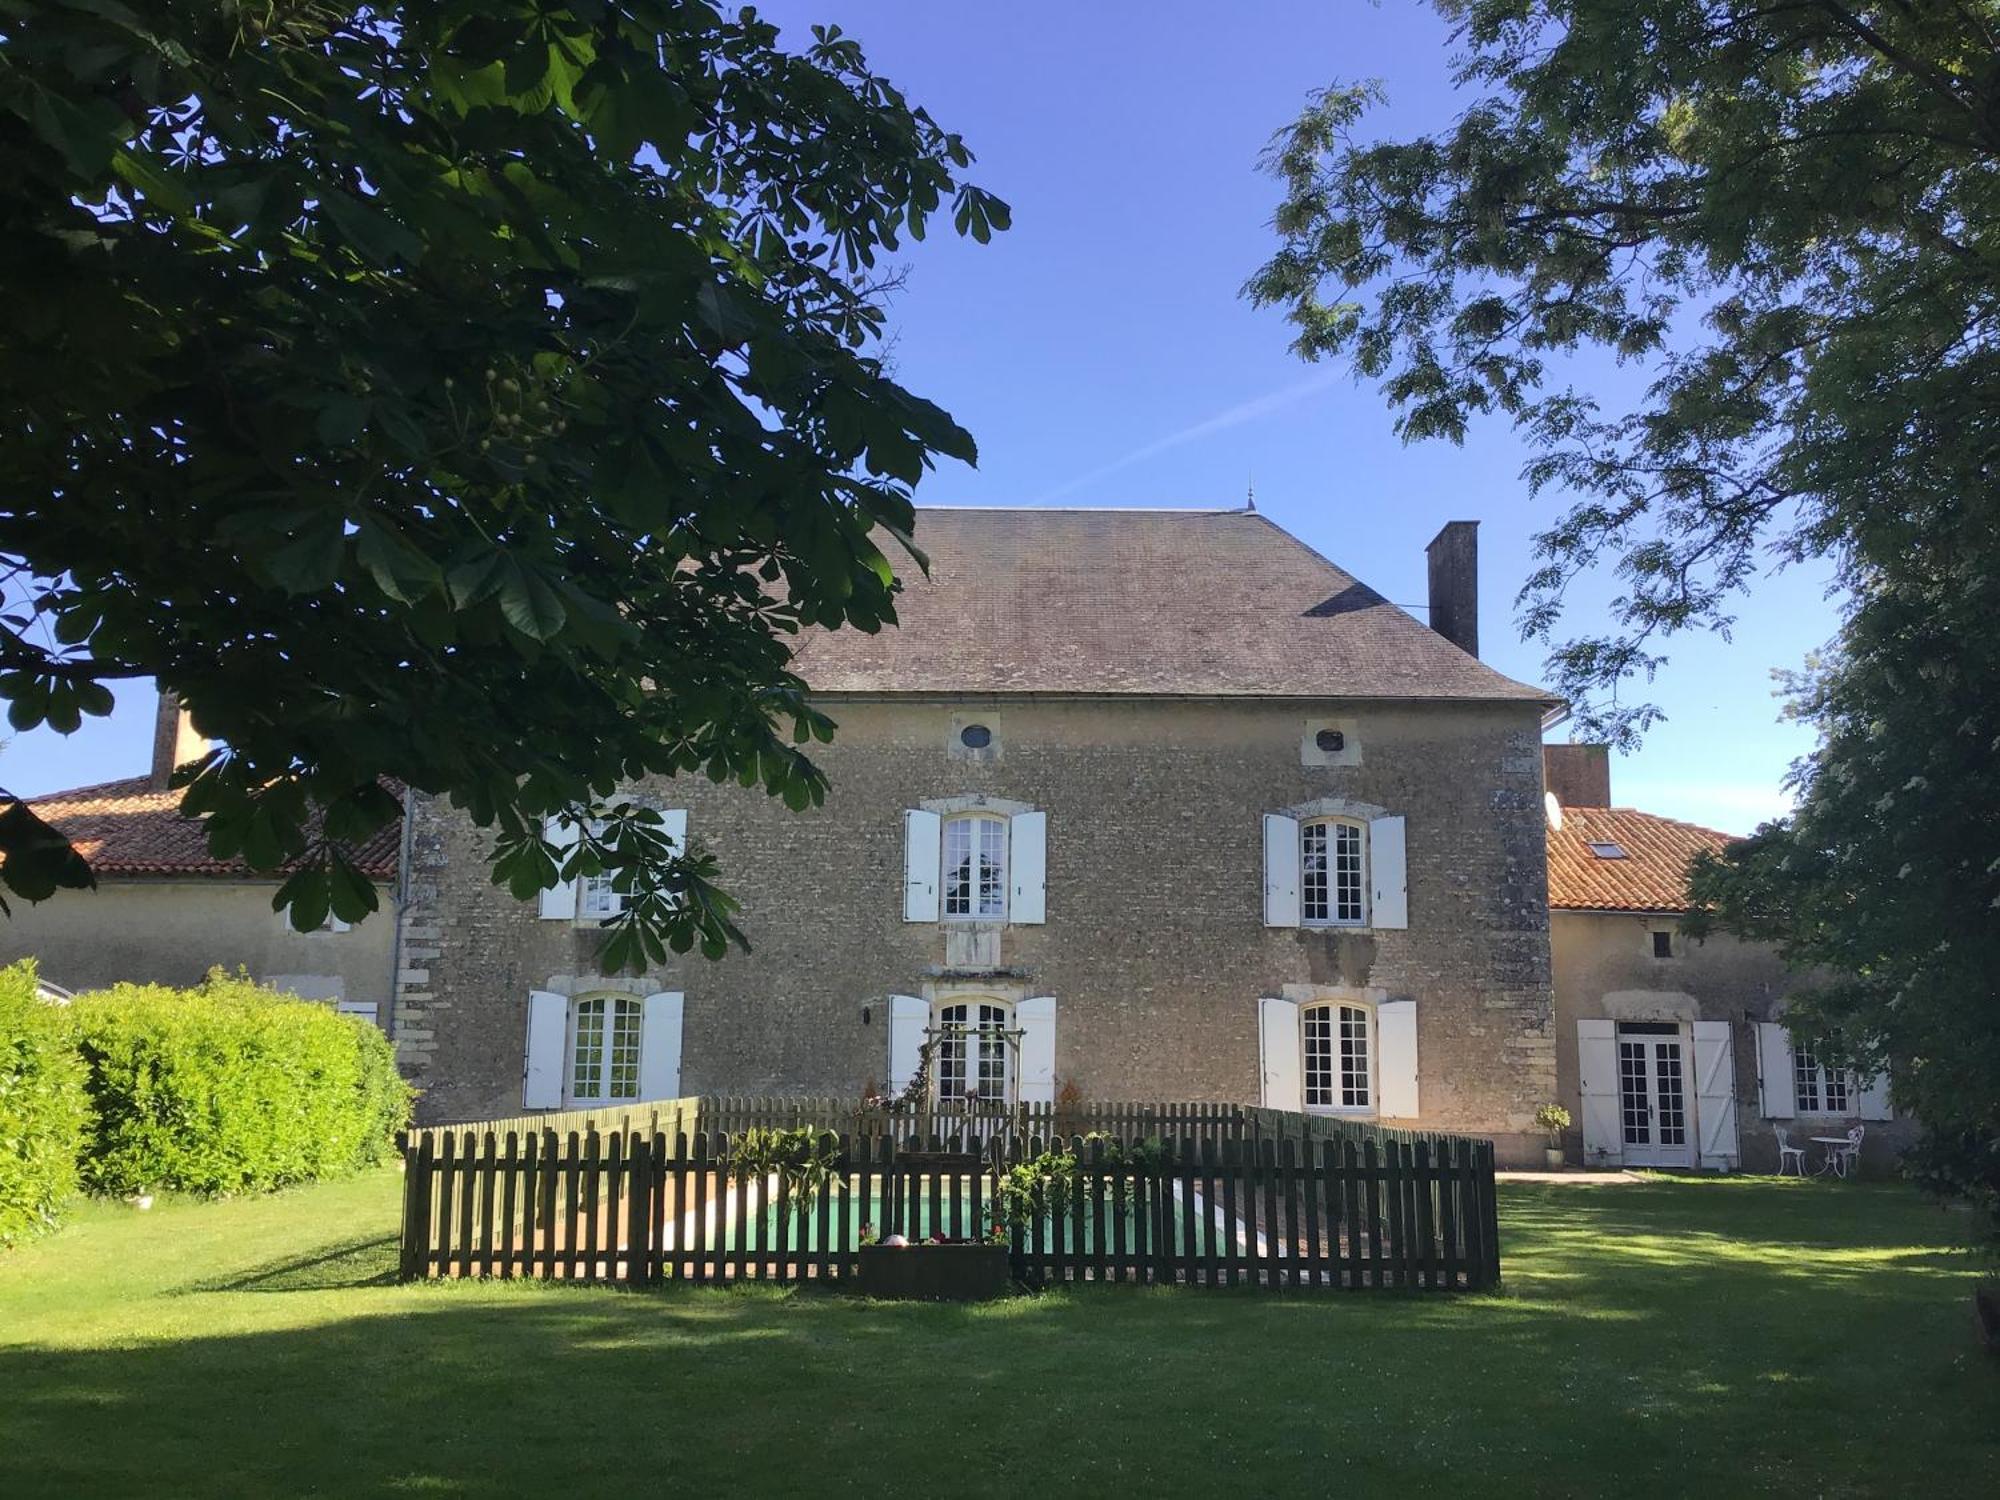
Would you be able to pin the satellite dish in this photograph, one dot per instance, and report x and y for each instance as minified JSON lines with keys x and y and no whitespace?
{"x":1554,"y":809}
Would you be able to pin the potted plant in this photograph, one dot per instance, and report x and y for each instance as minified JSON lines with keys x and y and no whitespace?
{"x":1553,"y":1120}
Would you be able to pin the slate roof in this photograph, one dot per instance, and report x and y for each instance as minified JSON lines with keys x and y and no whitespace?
{"x":1651,"y":877}
{"x":1198,"y":603}
{"x":126,"y":828}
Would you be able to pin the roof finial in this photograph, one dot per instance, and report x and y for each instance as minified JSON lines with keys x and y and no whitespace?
{"x":1250,"y":491}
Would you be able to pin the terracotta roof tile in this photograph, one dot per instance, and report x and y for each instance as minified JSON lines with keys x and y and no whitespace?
{"x":127,"y":828}
{"x":1196,"y":602}
{"x":1651,"y":877}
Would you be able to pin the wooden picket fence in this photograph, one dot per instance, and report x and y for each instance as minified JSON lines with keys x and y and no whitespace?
{"x":1296,"y":1210}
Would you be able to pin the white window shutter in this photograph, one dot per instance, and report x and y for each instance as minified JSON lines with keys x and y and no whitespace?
{"x":1874,"y":1100}
{"x":1279,"y":1053}
{"x":674,"y":826}
{"x":923,"y":852}
{"x":1388,"y":869}
{"x":660,"y":1045}
{"x":1037,"y":1020}
{"x":1028,"y":859}
{"x":1715,"y":1095}
{"x":559,"y":900}
{"x":1777,"y":1090}
{"x":1396,"y":1059}
{"x":1597,"y":1078}
{"x":1281,"y":876}
{"x":548,"y":1038}
{"x":909,"y":1017}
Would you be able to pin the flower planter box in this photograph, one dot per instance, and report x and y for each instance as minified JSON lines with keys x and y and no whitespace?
{"x":933,"y":1273}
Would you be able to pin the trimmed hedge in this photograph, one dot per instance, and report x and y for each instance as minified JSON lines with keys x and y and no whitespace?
{"x":229,"y":1087}
{"x":42,"y":1107}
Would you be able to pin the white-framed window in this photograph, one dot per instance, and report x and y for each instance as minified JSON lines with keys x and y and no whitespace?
{"x":596,"y":897}
{"x":1818,"y":1089}
{"x":1333,"y":872}
{"x":973,"y":1054}
{"x":975,"y":867}
{"x":604,"y":1036}
{"x":1339,"y":1056}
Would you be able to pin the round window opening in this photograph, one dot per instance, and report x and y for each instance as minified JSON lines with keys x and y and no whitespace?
{"x":975,"y":736}
{"x":1330,"y":741}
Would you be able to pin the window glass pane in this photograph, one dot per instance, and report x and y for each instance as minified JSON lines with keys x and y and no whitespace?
{"x":972,"y":1053}
{"x":1835,"y":1080}
{"x":992,"y":1054}
{"x":1346,"y":873}
{"x":1805,"y":1080}
{"x":587,"y":1050}
{"x":594,"y":895}
{"x":1354,"y":1092}
{"x":992,"y":867}
{"x":1319,"y":1057}
{"x":951,"y":1053}
{"x":975,"y":867}
{"x":958,"y":868}
{"x":622,"y":1078}
{"x":1330,"y":872}
{"x":1312,"y":872}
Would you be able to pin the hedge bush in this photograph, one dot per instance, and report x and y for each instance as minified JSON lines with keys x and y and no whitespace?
{"x":42,"y":1107}
{"x":229,"y":1087}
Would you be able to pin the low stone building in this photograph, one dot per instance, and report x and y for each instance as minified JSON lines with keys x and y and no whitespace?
{"x":166,"y":911}
{"x":1161,"y":804}
{"x":1672,"y":1052}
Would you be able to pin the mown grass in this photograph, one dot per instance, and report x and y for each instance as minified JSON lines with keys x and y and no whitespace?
{"x":1666,"y":1338}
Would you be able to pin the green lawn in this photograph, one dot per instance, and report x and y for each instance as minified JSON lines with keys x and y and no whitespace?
{"x":1709,"y":1337}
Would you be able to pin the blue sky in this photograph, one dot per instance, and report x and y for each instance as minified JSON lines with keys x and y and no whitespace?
{"x":1101,"y":355}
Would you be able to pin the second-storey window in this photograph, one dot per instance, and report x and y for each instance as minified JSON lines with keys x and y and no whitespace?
{"x":1337,"y":1074}
{"x":595,"y":894}
{"x":975,"y":867}
{"x":1330,"y":872}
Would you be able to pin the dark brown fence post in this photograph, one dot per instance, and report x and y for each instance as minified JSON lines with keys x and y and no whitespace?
{"x":416,"y":1210}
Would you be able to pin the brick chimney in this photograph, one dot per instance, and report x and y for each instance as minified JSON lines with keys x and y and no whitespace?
{"x":1578,"y":775}
{"x":175,"y":741}
{"x":1454,"y":557}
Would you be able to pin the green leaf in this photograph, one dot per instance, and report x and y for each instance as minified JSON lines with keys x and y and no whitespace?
{"x":311,"y":561}
{"x":530,"y":604}
{"x":399,"y":569}
{"x":87,"y":135}
{"x":155,"y":182}
{"x":341,"y":420}
{"x":372,"y":234}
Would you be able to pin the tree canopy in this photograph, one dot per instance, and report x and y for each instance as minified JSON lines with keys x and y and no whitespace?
{"x":1791,"y":214}
{"x":1787,"y":211}
{"x":478,"y":396}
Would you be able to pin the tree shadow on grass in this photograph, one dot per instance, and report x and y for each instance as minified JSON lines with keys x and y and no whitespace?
{"x":356,"y":1263}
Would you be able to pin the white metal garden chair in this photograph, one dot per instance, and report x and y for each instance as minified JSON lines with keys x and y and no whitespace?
{"x":1847,"y":1159}
{"x":1787,"y":1152}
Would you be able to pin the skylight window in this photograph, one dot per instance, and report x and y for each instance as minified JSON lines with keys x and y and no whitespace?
{"x":1606,"y":849}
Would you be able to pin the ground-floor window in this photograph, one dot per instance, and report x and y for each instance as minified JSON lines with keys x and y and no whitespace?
{"x":1337,"y":1052}
{"x":972,"y":1052}
{"x":604,"y":1050}
{"x":1820,"y":1090}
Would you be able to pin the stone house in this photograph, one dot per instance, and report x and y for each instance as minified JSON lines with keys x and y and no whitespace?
{"x":1160,"y":804}
{"x":1672,"y":1052}
{"x":166,"y":911}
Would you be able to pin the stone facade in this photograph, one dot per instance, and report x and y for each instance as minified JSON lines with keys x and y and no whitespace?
{"x":1605,"y":968}
{"x":1154,"y":944}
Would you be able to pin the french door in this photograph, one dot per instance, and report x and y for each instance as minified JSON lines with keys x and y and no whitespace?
{"x":1653,"y":1095}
